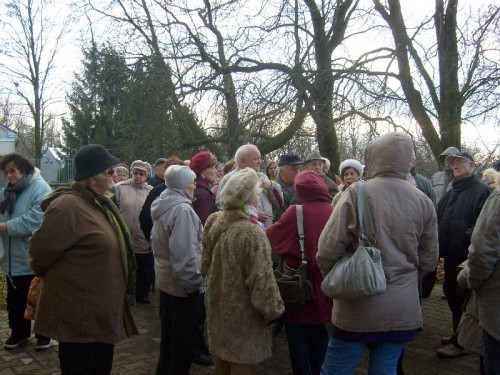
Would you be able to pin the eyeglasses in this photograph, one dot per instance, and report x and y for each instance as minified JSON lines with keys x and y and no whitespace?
{"x":10,"y":171}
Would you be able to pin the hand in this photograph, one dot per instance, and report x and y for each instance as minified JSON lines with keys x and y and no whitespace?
{"x":266,"y":184}
{"x":3,"y":227}
{"x":262,"y":216}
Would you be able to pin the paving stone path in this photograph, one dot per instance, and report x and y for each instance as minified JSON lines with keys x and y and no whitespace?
{"x":138,"y":355}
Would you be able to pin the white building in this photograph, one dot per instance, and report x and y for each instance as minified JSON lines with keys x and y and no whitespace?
{"x":50,"y":164}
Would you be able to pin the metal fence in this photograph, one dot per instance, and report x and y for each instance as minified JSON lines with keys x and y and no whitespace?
{"x":60,"y":174}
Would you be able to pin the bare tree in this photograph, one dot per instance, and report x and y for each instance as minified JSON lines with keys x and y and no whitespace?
{"x":32,"y":39}
{"x":463,"y":76}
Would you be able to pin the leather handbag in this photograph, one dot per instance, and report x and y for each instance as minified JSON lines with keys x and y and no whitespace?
{"x":358,"y":275}
{"x":293,"y":284}
{"x":34,"y":292}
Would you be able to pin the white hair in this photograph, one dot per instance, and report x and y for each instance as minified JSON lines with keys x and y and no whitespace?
{"x":327,"y":162}
{"x":243,"y":151}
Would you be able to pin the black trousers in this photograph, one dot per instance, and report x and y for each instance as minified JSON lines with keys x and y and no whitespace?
{"x":93,"y":358}
{"x":145,"y":275}
{"x":180,"y":318}
{"x":17,"y":294}
{"x":454,"y":295}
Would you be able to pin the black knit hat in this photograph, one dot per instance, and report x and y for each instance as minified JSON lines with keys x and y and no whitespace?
{"x":91,"y":160}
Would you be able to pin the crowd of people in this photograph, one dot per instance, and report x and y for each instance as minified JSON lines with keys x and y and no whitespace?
{"x":207,"y":235}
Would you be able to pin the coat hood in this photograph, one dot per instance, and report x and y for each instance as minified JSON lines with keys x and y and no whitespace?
{"x":309,"y":186}
{"x":167,"y":199}
{"x":389,"y":156}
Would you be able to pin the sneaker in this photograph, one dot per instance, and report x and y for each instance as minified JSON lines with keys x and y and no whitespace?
{"x":14,"y":342}
{"x":451,"y":351}
{"x":43,"y":343}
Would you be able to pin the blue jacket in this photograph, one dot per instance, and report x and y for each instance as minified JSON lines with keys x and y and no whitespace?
{"x":25,"y":219}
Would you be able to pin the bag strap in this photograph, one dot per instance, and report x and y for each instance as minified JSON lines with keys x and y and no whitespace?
{"x":300,"y":228}
{"x":365,"y":218}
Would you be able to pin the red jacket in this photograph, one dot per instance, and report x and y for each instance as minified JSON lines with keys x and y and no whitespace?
{"x":313,"y":194}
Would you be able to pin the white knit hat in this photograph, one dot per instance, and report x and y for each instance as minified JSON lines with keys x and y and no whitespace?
{"x":351,"y":163}
{"x":239,"y":188}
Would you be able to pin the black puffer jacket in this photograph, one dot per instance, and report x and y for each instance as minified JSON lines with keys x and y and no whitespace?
{"x":457,"y":213}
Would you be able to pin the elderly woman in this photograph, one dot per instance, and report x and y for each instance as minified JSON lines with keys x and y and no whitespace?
{"x":242,"y":297}
{"x":84,"y":253}
{"x":20,"y":215}
{"x":203,"y":165}
{"x":490,"y":177}
{"x":121,"y":174}
{"x":406,"y":234}
{"x":176,"y":240}
{"x":131,"y":195}
{"x":305,"y":324}
{"x":351,"y":171}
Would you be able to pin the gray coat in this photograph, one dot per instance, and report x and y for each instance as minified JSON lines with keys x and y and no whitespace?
{"x":176,"y":240}
{"x":406,"y":234}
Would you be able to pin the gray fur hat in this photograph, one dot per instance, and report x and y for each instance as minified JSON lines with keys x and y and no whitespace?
{"x":240,"y":187}
{"x":179,"y":177}
{"x":142,"y":165}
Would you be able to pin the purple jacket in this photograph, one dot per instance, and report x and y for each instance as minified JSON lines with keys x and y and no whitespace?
{"x":204,"y":205}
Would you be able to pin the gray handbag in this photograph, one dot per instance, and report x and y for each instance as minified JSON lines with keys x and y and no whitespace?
{"x":358,"y":275}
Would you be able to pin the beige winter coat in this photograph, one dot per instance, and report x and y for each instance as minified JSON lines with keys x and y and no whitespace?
{"x":242,"y":297}
{"x":131,"y":198}
{"x":484,"y":264}
{"x":406,"y":234}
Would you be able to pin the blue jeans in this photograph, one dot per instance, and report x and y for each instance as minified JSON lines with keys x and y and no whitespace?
{"x":307,"y":345}
{"x":342,"y":357}
{"x":491,"y":349}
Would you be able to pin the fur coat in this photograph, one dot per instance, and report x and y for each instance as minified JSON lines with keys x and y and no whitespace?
{"x":242,"y":296}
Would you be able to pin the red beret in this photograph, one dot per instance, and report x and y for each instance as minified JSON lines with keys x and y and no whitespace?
{"x":199,"y":162}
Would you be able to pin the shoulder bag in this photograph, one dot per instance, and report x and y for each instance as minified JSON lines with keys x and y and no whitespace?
{"x":293,"y":284}
{"x":358,"y":275}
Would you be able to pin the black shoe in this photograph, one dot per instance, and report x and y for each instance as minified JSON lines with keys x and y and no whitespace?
{"x":203,"y":360}
{"x":14,"y":342}
{"x":43,"y":343}
{"x":145,"y":301}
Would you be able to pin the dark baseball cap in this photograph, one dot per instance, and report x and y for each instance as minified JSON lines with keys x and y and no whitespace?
{"x":460,"y":155}
{"x":159,"y":161}
{"x":288,"y":159}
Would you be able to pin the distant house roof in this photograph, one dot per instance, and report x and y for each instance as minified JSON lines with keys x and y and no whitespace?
{"x":56,"y":152}
{"x":9,"y":133}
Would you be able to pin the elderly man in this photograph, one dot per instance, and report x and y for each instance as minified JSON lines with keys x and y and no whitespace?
{"x":288,"y":169}
{"x":157,"y":179}
{"x":271,"y":197}
{"x":457,"y":213}
{"x":314,"y":162}
{"x":441,"y":181}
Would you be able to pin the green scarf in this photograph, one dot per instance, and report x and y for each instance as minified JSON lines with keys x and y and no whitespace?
{"x":121,"y":229}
